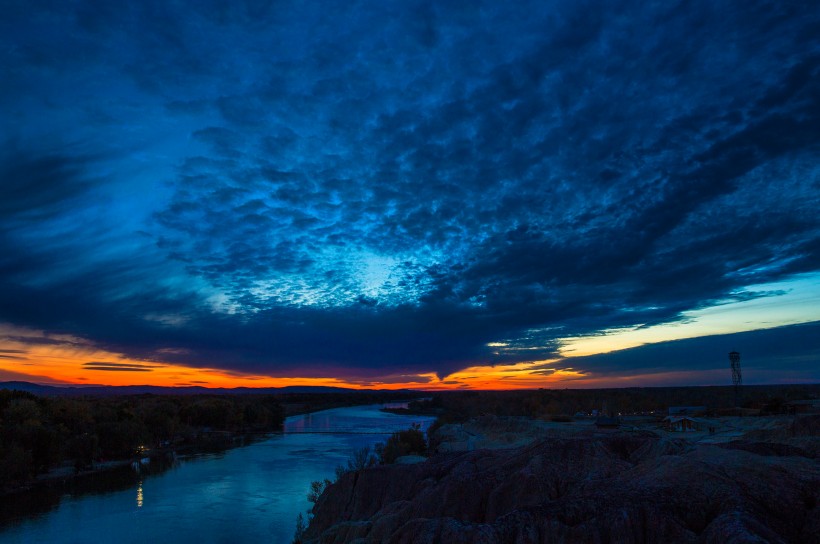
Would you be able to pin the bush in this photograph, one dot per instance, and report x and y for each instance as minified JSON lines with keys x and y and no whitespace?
{"x":316,"y":489}
{"x":300,"y":529}
{"x":361,"y":459}
{"x":409,"y":442}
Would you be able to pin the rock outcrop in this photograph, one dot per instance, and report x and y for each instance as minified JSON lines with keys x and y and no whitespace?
{"x":597,"y":488}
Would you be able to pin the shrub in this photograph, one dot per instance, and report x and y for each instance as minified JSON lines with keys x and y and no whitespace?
{"x":317,"y":487}
{"x":408,"y":442}
{"x":300,"y":529}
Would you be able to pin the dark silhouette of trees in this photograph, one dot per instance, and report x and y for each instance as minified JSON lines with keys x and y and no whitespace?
{"x":458,"y":406}
{"x":40,"y":433}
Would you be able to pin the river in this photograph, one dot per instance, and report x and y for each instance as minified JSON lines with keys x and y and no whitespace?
{"x":247,"y":494}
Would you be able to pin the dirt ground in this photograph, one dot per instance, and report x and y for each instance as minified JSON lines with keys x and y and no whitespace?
{"x":490,"y":432}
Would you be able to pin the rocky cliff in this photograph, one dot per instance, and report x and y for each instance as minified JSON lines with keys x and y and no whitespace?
{"x":593,"y":488}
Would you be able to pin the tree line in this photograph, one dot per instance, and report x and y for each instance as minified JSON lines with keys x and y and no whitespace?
{"x":458,"y":406}
{"x":40,"y":433}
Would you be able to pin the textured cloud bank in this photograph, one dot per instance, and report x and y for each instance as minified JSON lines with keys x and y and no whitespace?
{"x":383,"y":189}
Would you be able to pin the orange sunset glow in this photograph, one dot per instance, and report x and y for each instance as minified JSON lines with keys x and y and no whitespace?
{"x":42,"y":364}
{"x":64,"y":359}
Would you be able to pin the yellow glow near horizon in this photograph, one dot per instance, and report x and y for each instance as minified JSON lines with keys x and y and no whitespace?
{"x":800,"y":304}
{"x":513,"y":376}
{"x":60,"y":359}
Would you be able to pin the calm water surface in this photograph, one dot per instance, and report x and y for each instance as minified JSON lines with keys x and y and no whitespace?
{"x":247,"y":494}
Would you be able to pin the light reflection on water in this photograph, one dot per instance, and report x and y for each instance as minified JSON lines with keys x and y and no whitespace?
{"x":248,"y":494}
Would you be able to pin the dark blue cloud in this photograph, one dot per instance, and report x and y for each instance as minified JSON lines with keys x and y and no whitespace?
{"x":384,"y":188}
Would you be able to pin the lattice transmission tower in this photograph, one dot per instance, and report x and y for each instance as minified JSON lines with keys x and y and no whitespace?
{"x":737,"y":377}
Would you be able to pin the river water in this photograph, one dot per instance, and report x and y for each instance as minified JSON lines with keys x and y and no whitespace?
{"x":243,"y":495}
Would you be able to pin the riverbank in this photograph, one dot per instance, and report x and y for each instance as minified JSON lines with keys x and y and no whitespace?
{"x":260,"y":488}
{"x":100,"y":475}
{"x":66,"y":478}
{"x":522,"y":480}
{"x":58,"y":440}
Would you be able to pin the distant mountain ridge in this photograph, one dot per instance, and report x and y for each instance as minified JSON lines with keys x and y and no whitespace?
{"x":103,"y":390}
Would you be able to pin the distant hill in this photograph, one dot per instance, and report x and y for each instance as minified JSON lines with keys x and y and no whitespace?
{"x":104,"y":390}
{"x":29,"y":387}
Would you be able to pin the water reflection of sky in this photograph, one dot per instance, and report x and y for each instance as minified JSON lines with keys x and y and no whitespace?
{"x":139,"y":494}
{"x":249,"y":494}
{"x":365,"y":419}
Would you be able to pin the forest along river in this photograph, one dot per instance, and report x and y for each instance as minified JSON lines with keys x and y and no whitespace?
{"x":247,"y":494}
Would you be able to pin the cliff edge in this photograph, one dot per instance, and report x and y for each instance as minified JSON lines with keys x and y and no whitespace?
{"x":596,"y":488}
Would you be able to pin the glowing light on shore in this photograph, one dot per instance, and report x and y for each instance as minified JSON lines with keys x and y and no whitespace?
{"x":139,"y":495}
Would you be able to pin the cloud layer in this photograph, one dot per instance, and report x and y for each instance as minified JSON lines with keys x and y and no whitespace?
{"x":376,"y":189}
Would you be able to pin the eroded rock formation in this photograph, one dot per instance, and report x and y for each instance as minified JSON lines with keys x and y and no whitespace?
{"x":595,"y":488}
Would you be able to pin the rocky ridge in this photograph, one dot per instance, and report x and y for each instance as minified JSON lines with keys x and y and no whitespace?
{"x":633,"y":487}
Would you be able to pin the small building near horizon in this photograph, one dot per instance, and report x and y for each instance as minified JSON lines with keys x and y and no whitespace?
{"x":680,"y":424}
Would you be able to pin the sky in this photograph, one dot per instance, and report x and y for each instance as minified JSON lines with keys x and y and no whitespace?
{"x":409,"y":194}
